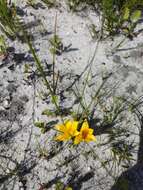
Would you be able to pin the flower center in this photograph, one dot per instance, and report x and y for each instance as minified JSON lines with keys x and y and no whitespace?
{"x":84,"y":133}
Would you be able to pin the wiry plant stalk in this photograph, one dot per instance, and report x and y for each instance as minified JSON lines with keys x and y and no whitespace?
{"x":54,"y":55}
{"x":41,"y":70}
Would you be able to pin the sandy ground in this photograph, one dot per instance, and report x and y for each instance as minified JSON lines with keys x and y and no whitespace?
{"x":23,"y":97}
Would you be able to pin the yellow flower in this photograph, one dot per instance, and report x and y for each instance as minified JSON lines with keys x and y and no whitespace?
{"x":85,"y":134}
{"x":68,"y":130}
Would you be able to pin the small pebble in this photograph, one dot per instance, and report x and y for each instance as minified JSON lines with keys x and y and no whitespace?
{"x":6,"y":104}
{"x":2,"y":108}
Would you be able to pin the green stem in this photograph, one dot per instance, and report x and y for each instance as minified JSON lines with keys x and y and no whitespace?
{"x":40,"y":68}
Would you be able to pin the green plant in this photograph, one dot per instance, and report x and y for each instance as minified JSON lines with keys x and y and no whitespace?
{"x":57,"y":45}
{"x":31,"y":2}
{"x":41,"y":125}
{"x":94,"y":32}
{"x":8,"y":20}
{"x":117,"y":16}
{"x":73,"y":4}
{"x":50,"y":3}
{"x":27,"y":68}
{"x":60,"y":186}
{"x":3,"y":47}
{"x":122,"y":152}
{"x":42,"y":151}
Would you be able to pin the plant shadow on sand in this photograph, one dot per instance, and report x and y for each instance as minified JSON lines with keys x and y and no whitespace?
{"x":76,"y":180}
{"x":132,"y":179}
{"x":20,"y":171}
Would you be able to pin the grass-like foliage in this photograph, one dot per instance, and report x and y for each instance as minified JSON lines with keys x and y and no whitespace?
{"x":3,"y":46}
{"x":8,"y":22}
{"x":50,"y":3}
{"x":120,"y":15}
{"x":117,"y":16}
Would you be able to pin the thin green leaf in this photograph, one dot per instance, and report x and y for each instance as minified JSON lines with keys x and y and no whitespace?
{"x":126,"y":13}
{"x":39,"y":124}
{"x":136,"y":16}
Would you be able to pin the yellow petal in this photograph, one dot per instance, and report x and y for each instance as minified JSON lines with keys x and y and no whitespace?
{"x":59,"y":138}
{"x":76,"y":133}
{"x":84,"y":125}
{"x":75,"y":124}
{"x":72,"y":124}
{"x":73,"y":132}
{"x":63,"y":137}
{"x":60,"y":127}
{"x":90,"y":138}
{"x":72,"y":128}
{"x":90,"y":131}
{"x":68,"y":129}
{"x":77,"y":139}
{"x":68,"y":124}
